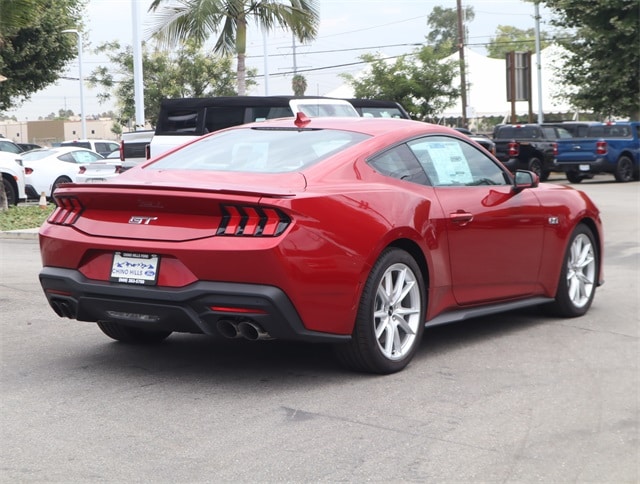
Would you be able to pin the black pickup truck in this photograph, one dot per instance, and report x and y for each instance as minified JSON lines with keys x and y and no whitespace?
{"x":528,"y":147}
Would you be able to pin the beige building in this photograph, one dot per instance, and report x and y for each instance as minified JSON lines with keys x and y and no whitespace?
{"x":46,"y":133}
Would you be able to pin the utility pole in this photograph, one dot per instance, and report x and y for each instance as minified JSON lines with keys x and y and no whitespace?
{"x":539,"y":65}
{"x":138,"y":87}
{"x":463,"y":81}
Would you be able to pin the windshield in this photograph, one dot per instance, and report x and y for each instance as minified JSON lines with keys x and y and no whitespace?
{"x":259,"y":150}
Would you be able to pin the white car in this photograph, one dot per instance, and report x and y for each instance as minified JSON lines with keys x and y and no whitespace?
{"x":47,"y":168}
{"x":100,"y":171}
{"x":12,"y":177}
{"x":102,"y":146}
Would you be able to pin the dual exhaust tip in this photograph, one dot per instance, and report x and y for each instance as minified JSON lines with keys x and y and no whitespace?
{"x":241,"y":329}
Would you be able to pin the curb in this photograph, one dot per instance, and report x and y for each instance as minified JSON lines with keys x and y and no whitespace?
{"x":25,"y":234}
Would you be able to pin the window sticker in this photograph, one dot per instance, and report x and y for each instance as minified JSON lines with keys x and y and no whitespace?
{"x":450,"y":163}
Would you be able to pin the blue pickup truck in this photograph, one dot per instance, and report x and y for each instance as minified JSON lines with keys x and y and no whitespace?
{"x":607,"y":148}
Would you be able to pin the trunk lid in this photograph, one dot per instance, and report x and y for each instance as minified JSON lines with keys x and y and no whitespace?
{"x":136,"y":207}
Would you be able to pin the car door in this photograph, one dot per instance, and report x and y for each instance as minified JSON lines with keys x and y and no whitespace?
{"x":495,"y":234}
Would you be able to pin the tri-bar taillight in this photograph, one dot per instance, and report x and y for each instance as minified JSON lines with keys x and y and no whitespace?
{"x":67,"y":211}
{"x":252,"y":221}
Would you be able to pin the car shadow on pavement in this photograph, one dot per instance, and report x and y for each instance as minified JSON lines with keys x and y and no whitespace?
{"x":199,"y":358}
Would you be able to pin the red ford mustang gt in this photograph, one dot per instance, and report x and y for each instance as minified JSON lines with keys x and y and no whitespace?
{"x":355,"y":232}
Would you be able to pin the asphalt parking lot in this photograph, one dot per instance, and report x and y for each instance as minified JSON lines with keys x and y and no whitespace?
{"x":518,"y":397}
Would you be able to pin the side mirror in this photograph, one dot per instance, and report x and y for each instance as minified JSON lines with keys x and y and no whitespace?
{"x":525,"y":179}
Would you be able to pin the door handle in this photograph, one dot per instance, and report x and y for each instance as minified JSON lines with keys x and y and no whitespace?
{"x":460,"y":217}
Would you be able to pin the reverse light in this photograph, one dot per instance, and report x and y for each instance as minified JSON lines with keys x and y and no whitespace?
{"x":252,"y":221}
{"x":67,"y":212}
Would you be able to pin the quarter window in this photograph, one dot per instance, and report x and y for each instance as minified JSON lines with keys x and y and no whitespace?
{"x":399,"y":162}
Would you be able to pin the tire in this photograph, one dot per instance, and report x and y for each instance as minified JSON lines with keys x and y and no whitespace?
{"x":10,"y":191}
{"x":579,"y":275}
{"x":624,"y":169}
{"x":545,"y":176}
{"x":59,"y":181}
{"x":391,"y":316}
{"x":535,"y":165}
{"x":574,"y":176}
{"x":131,"y":335}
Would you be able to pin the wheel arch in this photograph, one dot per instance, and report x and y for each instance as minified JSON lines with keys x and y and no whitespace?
{"x":591,"y":225}
{"x":416,"y":252}
{"x":11,"y":180}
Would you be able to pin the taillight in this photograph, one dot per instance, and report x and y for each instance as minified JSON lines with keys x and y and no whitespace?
{"x":252,"y":221}
{"x":28,"y":171}
{"x":514,"y":148}
{"x":147,"y":151}
{"x":121,"y":150}
{"x":555,"y":148}
{"x":601,"y":147}
{"x":67,"y":211}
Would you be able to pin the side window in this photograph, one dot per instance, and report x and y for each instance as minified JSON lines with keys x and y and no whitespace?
{"x":453,"y":162}
{"x":85,"y":156}
{"x":220,"y":117}
{"x":68,"y":157}
{"x":179,"y":121}
{"x":399,"y":162}
{"x":260,"y":113}
{"x":102,"y":147}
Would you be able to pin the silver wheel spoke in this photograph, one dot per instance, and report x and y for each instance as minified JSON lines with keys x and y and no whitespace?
{"x":397,"y":311}
{"x":581,"y":270}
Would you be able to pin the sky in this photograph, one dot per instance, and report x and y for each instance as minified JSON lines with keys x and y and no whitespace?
{"x":348,"y":29}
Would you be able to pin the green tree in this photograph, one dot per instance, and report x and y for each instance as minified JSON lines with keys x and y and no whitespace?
{"x":299,"y":85}
{"x":508,"y":39}
{"x":196,"y":20}
{"x":33,"y":50}
{"x":601,"y":72}
{"x":443,"y":28}
{"x":186,"y":72}
{"x":421,"y":82}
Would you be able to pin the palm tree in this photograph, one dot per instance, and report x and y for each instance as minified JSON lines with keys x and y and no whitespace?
{"x":180,"y":20}
{"x":299,"y":85}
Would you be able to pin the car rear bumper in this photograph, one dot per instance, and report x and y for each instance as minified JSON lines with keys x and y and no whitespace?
{"x":598,"y":165}
{"x":196,"y":308}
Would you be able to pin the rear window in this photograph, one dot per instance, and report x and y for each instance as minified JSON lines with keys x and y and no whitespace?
{"x":522,"y":132}
{"x":259,"y":150}
{"x":37,"y":155}
{"x":609,"y":131}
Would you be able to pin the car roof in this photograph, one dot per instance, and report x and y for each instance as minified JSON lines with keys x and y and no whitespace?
{"x":369,"y":126}
{"x":89,"y":140}
{"x":57,"y":150}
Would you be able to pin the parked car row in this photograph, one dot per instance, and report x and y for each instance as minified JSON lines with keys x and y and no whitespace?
{"x":578,"y":149}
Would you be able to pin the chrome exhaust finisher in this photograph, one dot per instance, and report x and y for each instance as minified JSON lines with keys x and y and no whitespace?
{"x":252,"y":331}
{"x":228,"y":329}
